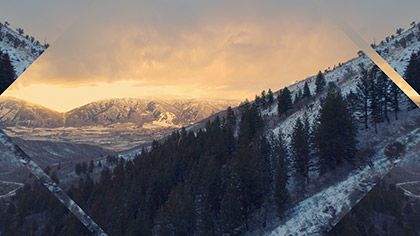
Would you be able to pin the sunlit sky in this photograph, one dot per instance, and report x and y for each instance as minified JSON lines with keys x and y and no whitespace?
{"x":202,"y":49}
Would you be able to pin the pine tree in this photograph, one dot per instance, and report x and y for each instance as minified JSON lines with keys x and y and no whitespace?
{"x":300,"y":151}
{"x":230,"y":212}
{"x":298,"y":96}
{"x":281,"y":195}
{"x":264,"y":99}
{"x":412,"y":75}
{"x":7,"y":72}
{"x":248,"y":180}
{"x":335,"y":133}
{"x":306,"y":91}
{"x":91,"y":166}
{"x":363,"y":91}
{"x":375,"y":108}
{"x":228,"y":131}
{"x":384,"y":84}
{"x":353,"y":102}
{"x":270,"y":97}
{"x":319,"y":82}
{"x":395,"y":99}
{"x":284,"y":101}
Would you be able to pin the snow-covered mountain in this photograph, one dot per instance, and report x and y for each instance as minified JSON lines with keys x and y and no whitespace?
{"x":22,"y":50}
{"x":117,"y":124}
{"x":16,"y":112}
{"x":144,"y":113}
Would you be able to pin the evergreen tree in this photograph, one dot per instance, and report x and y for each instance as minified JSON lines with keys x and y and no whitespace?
{"x":258,"y":101}
{"x":335,"y":133}
{"x":363,"y":90}
{"x":7,"y":72}
{"x":375,"y":108}
{"x":177,"y":215}
{"x":91,"y":166}
{"x":319,"y":82}
{"x":412,"y":75}
{"x":248,"y":180}
{"x":281,"y":195}
{"x":229,"y":127}
{"x":384,"y":84}
{"x":270,"y":97}
{"x":306,"y":91}
{"x":353,"y":102}
{"x":300,"y":151}
{"x":207,"y":224}
{"x":395,"y":99}
{"x":284,"y":101}
{"x":298,"y":96}
{"x":264,"y":99}
{"x":230,"y":212}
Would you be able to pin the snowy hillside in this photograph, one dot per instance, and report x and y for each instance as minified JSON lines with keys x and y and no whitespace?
{"x":317,"y":213}
{"x":22,"y":50}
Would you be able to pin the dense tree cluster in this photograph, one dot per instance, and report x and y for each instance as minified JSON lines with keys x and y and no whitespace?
{"x":377,"y":97}
{"x":206,"y":183}
{"x":35,"y":211}
{"x":335,"y":133}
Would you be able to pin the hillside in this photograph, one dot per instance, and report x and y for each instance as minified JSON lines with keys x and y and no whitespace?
{"x":16,"y":112}
{"x":22,"y":49}
{"x":261,"y":169}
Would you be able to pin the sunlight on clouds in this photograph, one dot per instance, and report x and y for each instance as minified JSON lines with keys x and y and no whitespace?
{"x":185,"y":48}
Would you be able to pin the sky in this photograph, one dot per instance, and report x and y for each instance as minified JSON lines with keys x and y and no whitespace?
{"x":193,"y":49}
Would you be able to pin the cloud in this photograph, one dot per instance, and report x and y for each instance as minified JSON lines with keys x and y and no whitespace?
{"x":239,"y":47}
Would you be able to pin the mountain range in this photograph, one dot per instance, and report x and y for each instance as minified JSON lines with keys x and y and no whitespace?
{"x":141,"y":112}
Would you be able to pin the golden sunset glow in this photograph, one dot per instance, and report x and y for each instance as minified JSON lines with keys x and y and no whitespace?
{"x":185,"y":49}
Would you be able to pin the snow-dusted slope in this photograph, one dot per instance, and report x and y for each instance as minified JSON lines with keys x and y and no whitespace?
{"x":319,"y":212}
{"x":21,"y":49}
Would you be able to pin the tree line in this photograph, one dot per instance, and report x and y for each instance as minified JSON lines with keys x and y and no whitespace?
{"x":227,"y":178}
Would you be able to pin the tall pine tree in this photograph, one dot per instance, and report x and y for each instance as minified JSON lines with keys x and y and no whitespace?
{"x":412,"y":75}
{"x":363,"y":91}
{"x":7,"y":72}
{"x":319,"y":82}
{"x":306,"y":91}
{"x":300,"y":150}
{"x":284,"y":101}
{"x":335,"y":133}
